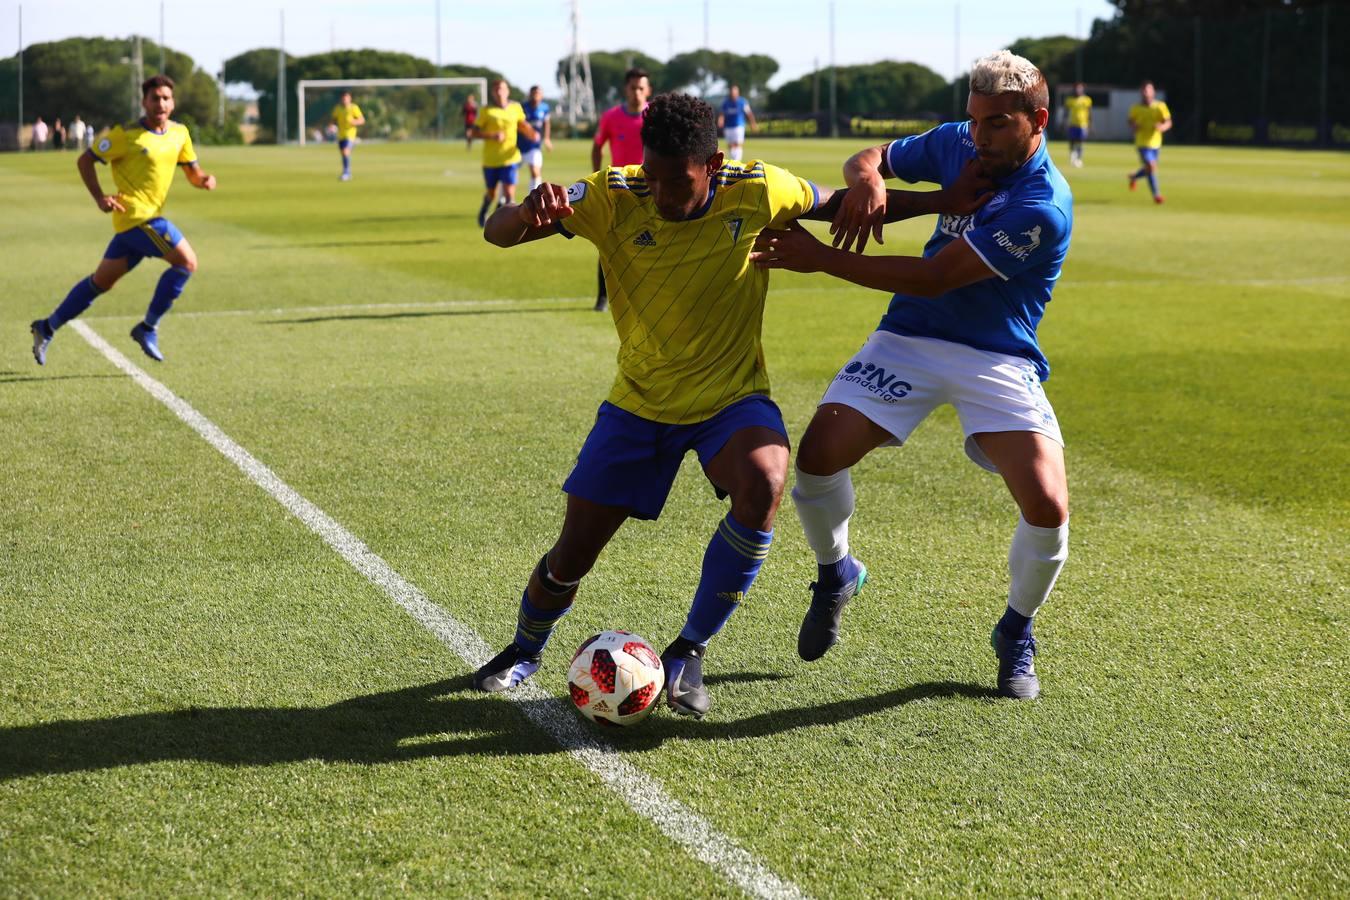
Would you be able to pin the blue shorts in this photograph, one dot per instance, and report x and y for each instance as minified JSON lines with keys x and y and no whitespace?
{"x":1077,"y":133}
{"x":1148,"y":154}
{"x":153,"y":238}
{"x":632,"y":462}
{"x":344,"y":143}
{"x":500,"y":175}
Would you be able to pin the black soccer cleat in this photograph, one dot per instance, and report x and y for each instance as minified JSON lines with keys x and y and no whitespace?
{"x":1016,"y":667}
{"x":685,"y":693}
{"x":820,"y":627}
{"x":505,"y":670}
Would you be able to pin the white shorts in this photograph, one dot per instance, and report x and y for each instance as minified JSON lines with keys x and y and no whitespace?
{"x":734,"y":135}
{"x":533,"y":157}
{"x":896,"y":381}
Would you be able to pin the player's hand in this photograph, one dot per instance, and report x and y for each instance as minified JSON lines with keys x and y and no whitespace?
{"x":498,"y":136}
{"x":863,"y":211}
{"x":208,"y":183}
{"x":548,"y":145}
{"x":109,"y":203}
{"x":545,"y":205}
{"x":794,"y":249}
{"x":971,"y":190}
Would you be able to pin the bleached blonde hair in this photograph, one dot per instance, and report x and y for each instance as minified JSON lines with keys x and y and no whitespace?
{"x":1005,"y":72}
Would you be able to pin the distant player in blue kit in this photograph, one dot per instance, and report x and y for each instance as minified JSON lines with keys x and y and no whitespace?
{"x":961,"y":329}
{"x":532,"y":148}
{"x":143,"y":156}
{"x":732,"y":118}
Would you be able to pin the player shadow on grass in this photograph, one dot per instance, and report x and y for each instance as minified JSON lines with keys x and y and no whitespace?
{"x":15,"y":377}
{"x":323,"y":245}
{"x":424,"y":314}
{"x":441,"y":719}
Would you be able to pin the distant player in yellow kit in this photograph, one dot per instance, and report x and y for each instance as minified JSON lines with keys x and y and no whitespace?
{"x":499,"y":122}
{"x":1080,"y":123}
{"x":1149,"y":119}
{"x":347,"y":116}
{"x":143,"y":156}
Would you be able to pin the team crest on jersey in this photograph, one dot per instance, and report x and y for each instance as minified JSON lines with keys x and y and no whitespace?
{"x":645,"y":240}
{"x":104,"y":145}
{"x":734,"y":225}
{"x":576,"y":192}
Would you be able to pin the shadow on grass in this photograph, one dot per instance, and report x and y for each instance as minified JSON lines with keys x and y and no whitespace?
{"x":321,"y":245}
{"x":14,"y":377}
{"x":424,"y":314}
{"x":441,"y":719}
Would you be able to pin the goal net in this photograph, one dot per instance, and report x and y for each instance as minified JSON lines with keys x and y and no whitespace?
{"x":396,"y":109}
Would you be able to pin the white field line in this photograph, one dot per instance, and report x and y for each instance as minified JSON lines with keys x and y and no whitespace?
{"x":643,"y":793}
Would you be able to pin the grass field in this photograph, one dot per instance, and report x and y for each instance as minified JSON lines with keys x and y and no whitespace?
{"x":199,"y":696}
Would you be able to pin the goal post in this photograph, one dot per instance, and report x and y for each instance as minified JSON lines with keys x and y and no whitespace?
{"x":304,"y":84}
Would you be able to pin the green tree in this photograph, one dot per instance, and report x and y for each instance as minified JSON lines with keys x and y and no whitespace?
{"x":700,"y":70}
{"x":1048,"y":52}
{"x":608,"y":68}
{"x":884,"y":88}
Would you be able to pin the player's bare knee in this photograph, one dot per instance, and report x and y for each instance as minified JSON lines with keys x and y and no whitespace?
{"x":1046,"y":510}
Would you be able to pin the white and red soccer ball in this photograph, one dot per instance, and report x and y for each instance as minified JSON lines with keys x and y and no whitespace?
{"x":615,"y":678}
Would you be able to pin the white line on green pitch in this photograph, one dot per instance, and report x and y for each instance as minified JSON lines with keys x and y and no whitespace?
{"x":643,"y":793}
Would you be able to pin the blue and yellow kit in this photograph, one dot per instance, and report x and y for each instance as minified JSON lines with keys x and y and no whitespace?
{"x":686,"y":300}
{"x":143,"y":162}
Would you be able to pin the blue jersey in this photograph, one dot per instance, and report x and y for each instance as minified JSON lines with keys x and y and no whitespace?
{"x":1022,"y":234}
{"x":535,"y":115}
{"x":733,"y":112}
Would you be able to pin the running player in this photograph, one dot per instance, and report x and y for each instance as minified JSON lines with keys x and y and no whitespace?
{"x":143,"y":155}
{"x":1080,"y":122}
{"x":532,"y":149}
{"x":735,"y":111}
{"x":469,"y":110}
{"x":347,"y":117}
{"x":675,"y":235}
{"x":1149,"y":119}
{"x":621,"y":128}
{"x":498,"y":125}
{"x":961,"y":329}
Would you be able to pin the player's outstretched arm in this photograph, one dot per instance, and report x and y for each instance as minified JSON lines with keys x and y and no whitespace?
{"x":796,"y":249}
{"x":87,"y":166}
{"x":198,"y":178}
{"x":534,"y":218}
{"x":963,"y":197}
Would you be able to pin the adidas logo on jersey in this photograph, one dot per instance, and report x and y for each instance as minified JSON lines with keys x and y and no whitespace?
{"x":645,"y":240}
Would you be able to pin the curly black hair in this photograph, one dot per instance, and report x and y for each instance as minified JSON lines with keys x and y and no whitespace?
{"x":681,"y":126}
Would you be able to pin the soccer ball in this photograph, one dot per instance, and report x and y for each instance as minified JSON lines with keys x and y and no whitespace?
{"x":615,"y":678}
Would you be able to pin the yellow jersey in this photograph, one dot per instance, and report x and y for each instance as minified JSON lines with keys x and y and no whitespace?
{"x":687,"y":302}
{"x":1080,"y":111}
{"x":143,"y":163}
{"x":343,"y":116}
{"x":1146,"y":120}
{"x":504,"y":119}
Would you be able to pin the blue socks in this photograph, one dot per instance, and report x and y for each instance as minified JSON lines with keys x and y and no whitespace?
{"x":534,"y":626}
{"x":346,"y":165}
{"x":170,"y":286}
{"x":1153,"y":183}
{"x":834,"y":576}
{"x":730,"y":564}
{"x":76,"y":302}
{"x":1014,"y":625}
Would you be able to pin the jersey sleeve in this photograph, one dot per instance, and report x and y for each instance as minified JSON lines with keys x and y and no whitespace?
{"x":1163,"y":112}
{"x":602,"y":132}
{"x":788,"y":196}
{"x":110,"y":145}
{"x":187,"y":155}
{"x":592,"y":208}
{"x":1018,"y":238}
{"x":919,"y":158}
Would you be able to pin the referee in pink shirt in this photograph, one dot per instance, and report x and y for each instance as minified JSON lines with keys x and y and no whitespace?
{"x":621,"y":126}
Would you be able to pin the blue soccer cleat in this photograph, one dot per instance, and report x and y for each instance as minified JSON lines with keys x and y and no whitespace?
{"x":685,"y":693}
{"x":1016,"y":671}
{"x":42,"y":337}
{"x":149,"y":341}
{"x":820,"y":627}
{"x":505,"y":670}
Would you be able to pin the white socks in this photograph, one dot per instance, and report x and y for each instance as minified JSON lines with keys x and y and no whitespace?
{"x":1034,"y":561}
{"x":824,"y":504}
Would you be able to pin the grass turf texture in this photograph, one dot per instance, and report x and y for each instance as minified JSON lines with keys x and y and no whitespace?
{"x":200,"y":697}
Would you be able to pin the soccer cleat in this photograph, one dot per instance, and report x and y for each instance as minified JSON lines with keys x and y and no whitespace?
{"x":1132,"y":180}
{"x":820,"y":627}
{"x":1016,"y":671}
{"x":505,"y":670}
{"x":149,"y":341}
{"x":601,"y":303}
{"x":345,"y":176}
{"x":685,"y":693}
{"x":42,"y":336}
{"x":1158,"y":198}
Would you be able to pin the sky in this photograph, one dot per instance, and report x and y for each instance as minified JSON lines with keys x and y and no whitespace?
{"x":524,"y":39}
